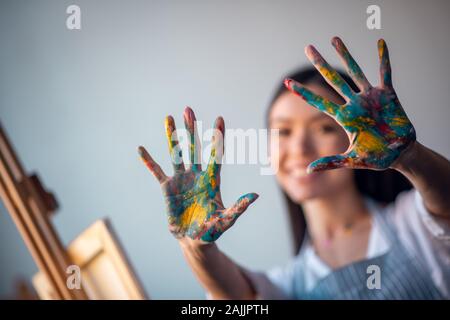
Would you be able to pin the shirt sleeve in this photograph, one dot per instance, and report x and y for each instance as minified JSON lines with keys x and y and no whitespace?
{"x":424,"y":235}
{"x":275,"y":284}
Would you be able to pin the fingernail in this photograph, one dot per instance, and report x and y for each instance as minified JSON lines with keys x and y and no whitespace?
{"x":309,"y":50}
{"x":336,"y":42}
{"x":312,"y":54}
{"x":288,"y":83}
{"x":189,"y":114}
{"x":219,"y":123}
{"x":169,"y":122}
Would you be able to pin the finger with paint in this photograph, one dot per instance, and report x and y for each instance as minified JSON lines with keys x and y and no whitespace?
{"x":375,"y":122}
{"x":193,"y":200}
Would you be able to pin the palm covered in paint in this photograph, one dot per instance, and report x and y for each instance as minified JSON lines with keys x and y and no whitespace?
{"x":194,"y":204}
{"x":373,"y":118}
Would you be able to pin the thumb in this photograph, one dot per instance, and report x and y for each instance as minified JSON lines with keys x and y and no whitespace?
{"x":330,"y":162}
{"x":242,"y":204}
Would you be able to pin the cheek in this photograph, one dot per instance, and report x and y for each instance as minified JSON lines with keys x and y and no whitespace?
{"x":277,"y":151}
{"x":332,"y":144}
{"x":278,"y":156}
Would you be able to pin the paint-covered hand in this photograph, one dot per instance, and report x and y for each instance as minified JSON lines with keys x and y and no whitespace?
{"x":194,"y":203}
{"x":373,"y":118}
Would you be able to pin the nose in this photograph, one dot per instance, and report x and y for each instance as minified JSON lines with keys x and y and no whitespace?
{"x":301,"y":144}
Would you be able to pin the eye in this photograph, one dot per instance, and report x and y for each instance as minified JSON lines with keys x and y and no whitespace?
{"x":327,"y":128}
{"x":284,"y":132}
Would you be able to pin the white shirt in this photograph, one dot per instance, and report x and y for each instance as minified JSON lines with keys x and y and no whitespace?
{"x":419,"y":232}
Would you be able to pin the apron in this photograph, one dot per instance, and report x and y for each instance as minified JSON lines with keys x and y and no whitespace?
{"x":403,"y":276}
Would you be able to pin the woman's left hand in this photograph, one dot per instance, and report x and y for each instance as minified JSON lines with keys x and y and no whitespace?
{"x":377,"y":126}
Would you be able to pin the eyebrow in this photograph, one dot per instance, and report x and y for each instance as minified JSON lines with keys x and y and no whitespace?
{"x":288,"y":119}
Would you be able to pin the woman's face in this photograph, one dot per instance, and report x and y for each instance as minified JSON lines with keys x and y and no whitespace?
{"x":305,"y":135}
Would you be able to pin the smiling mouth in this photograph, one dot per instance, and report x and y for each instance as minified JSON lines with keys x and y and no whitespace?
{"x":298,"y":172}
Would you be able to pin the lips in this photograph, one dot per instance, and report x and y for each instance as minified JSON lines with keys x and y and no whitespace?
{"x":298,"y":172}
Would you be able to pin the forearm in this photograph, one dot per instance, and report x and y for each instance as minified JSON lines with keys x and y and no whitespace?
{"x":429,"y":173}
{"x":218,"y":274}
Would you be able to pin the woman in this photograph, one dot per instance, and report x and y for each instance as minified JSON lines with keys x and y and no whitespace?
{"x":350,"y":245}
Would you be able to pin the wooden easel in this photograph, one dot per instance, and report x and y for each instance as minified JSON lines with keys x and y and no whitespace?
{"x":31,"y":208}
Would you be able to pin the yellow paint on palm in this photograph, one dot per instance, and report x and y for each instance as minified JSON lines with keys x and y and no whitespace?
{"x":360,"y":123}
{"x":354,"y":125}
{"x":195,"y":213}
{"x":368,"y":141}
{"x":368,"y":121}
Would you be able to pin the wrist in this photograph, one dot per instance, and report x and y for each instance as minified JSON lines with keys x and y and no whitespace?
{"x":187,"y":243}
{"x":198,"y":252}
{"x":407,"y":158}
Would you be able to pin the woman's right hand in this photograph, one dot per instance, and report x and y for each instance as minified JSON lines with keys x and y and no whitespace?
{"x":376,"y":124}
{"x":194,"y":204}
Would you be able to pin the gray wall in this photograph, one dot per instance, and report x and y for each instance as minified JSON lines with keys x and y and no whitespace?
{"x":77,"y":103}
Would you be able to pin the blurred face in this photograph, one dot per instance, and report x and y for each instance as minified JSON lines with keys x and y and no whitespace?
{"x":305,"y":135}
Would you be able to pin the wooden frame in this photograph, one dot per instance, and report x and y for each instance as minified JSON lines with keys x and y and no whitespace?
{"x":105,"y":271}
{"x":30,"y":208}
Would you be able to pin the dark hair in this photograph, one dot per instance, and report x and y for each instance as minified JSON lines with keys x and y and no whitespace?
{"x":381,"y":186}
